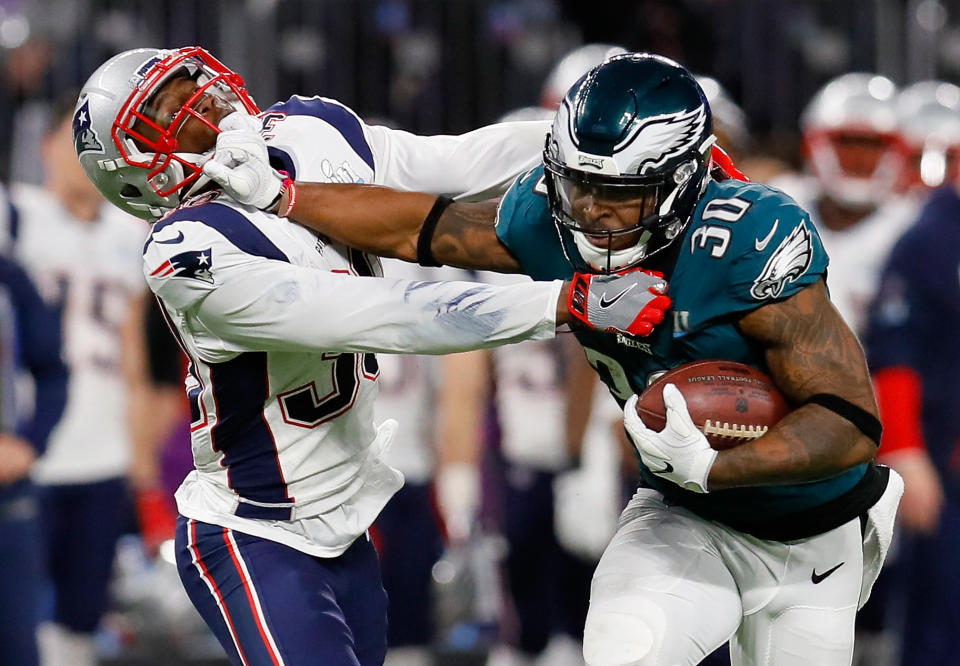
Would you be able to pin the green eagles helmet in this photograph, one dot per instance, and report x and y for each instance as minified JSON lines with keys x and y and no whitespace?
{"x":636,"y":130}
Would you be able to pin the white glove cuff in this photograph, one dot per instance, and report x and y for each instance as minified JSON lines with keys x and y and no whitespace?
{"x":700,"y":471}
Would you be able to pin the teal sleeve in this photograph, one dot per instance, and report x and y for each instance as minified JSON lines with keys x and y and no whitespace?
{"x":526,"y":229}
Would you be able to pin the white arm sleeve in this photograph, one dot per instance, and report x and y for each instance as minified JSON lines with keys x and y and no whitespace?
{"x":474,"y":166}
{"x":266,"y":305}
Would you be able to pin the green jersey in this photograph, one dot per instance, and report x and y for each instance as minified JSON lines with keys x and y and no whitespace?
{"x":747,"y":245}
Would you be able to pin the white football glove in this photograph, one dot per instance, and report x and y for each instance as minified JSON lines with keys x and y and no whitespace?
{"x":680,"y":452}
{"x":241,"y":165}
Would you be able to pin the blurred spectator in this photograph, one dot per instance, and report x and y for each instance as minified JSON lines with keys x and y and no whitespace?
{"x":913,"y":355}
{"x":732,"y":130}
{"x":568,"y":71}
{"x":164,"y":454}
{"x":29,"y":341}
{"x":85,"y":257}
{"x":543,"y":395}
{"x":929,"y":116}
{"x":25,"y":111}
{"x":437,"y":454}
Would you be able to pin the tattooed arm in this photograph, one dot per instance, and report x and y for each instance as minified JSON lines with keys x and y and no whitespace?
{"x":387,"y":223}
{"x":809,"y":350}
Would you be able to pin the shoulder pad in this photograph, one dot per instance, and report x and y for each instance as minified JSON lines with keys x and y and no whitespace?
{"x":331,"y":112}
{"x":525,"y":227}
{"x":188,"y":247}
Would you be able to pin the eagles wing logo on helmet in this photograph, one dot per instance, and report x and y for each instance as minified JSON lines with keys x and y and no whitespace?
{"x":789,"y":261}
{"x":85,"y":139}
{"x":662,"y":137}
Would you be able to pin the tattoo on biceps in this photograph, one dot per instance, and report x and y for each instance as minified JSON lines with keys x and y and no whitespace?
{"x":810,"y":349}
{"x":465,"y":236}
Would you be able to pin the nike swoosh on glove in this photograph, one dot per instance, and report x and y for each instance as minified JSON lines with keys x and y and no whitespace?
{"x":241,"y":165}
{"x":632,"y":302}
{"x":680,"y":452}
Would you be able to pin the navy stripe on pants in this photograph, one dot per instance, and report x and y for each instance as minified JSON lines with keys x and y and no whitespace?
{"x":270,"y":604}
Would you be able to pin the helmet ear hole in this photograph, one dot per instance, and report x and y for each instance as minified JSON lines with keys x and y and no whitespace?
{"x":129,"y":191}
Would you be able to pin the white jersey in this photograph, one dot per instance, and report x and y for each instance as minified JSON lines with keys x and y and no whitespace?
{"x":531,"y":397}
{"x":408,"y":389}
{"x":281,"y":334}
{"x":90,"y":269}
{"x":857,"y":254}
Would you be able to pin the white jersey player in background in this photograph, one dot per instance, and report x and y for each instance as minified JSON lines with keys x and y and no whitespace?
{"x":851,"y":139}
{"x":435,"y":450}
{"x":280,"y":326}
{"x":84,"y":256}
{"x":559,"y":499}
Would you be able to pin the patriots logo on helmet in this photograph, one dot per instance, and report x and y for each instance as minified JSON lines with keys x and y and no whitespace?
{"x":85,"y":139}
{"x":789,"y":261}
{"x":193,"y":264}
{"x":663,"y":137}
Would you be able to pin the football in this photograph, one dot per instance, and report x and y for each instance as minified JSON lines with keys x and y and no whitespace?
{"x":731,"y":403}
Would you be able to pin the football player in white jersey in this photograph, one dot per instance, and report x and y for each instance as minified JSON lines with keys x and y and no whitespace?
{"x":281,"y":325}
{"x":84,"y":256}
{"x":850,"y":134}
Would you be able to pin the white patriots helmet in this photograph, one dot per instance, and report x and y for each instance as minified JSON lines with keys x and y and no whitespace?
{"x":729,"y":120}
{"x":929,"y":117}
{"x":636,"y":128}
{"x":571,"y":67}
{"x":147,"y":177}
{"x":851,"y":112}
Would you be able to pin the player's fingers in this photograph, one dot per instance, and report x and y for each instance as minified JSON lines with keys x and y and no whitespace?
{"x":640,"y":327}
{"x":238,"y":121}
{"x":632,"y":421}
{"x":227,"y":178}
{"x":216,"y":171}
{"x":660,"y":303}
{"x":678,"y":417}
{"x":652,"y":315}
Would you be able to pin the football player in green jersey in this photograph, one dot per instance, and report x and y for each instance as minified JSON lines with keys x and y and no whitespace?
{"x":772,"y":545}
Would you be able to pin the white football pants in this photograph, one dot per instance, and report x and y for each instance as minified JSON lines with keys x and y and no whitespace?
{"x":672,"y":587}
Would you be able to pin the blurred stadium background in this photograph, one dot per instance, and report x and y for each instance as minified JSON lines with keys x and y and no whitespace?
{"x":442,"y":66}
{"x":450,"y":65}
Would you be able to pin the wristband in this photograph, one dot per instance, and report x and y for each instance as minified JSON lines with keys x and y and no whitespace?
{"x":273,"y":205}
{"x":290,"y":188}
{"x":577,"y":300}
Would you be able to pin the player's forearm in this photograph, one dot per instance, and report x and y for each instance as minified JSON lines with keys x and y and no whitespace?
{"x":367,"y":217}
{"x":810,"y":443}
{"x":387,"y":223}
{"x":281,"y":307}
